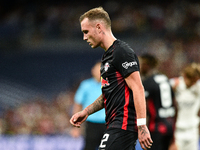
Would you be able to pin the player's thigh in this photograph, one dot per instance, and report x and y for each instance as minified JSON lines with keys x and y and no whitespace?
{"x":94,"y":133}
{"x":187,"y":139}
{"x":189,"y":144}
{"x":114,"y":139}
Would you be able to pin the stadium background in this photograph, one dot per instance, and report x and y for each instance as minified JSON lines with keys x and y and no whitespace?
{"x":43,"y":59}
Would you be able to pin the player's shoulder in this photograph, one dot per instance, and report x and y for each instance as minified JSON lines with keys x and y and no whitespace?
{"x":198,"y":83}
{"x":123,"y":51}
{"x":197,"y":87}
{"x":122,"y":46}
{"x":148,"y":81}
{"x":175,"y":81}
{"x":86,"y":82}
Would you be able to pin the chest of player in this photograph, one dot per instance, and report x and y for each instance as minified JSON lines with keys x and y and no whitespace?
{"x":109,"y":74}
{"x":186,"y":98}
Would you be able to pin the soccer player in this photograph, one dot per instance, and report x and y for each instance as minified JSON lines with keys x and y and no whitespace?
{"x":160,"y":103}
{"x":87,"y":92}
{"x":122,"y":89}
{"x":187,"y":92}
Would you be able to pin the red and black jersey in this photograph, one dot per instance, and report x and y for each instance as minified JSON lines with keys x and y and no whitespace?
{"x":118,"y":62}
{"x":160,"y":104}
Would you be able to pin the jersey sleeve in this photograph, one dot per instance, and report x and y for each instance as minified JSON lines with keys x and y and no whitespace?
{"x":80,"y":94}
{"x":125,"y":61}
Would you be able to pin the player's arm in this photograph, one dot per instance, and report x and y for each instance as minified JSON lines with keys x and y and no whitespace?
{"x":135,"y":84}
{"x":78,"y":118}
{"x":97,"y":105}
{"x":75,"y":132}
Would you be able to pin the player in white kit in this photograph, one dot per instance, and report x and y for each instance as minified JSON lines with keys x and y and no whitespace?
{"x":187,"y":93}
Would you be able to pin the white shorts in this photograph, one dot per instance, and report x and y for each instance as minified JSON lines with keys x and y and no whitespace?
{"x":187,"y":139}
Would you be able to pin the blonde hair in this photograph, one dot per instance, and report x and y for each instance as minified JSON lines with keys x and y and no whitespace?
{"x":97,"y":13}
{"x":192,"y":71}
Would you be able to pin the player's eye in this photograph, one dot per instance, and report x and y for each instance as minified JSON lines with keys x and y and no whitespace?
{"x":85,"y":32}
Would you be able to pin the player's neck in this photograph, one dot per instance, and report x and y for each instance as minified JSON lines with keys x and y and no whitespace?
{"x":108,"y":40}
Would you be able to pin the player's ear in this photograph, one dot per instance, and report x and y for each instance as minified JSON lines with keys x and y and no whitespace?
{"x":98,"y":26}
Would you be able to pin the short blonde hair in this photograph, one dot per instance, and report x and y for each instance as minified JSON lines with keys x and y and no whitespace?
{"x":97,"y":13}
{"x":192,"y":71}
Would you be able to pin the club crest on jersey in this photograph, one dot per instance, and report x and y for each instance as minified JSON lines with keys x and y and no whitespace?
{"x":104,"y":82}
{"x":129,"y":64}
{"x":106,"y":66}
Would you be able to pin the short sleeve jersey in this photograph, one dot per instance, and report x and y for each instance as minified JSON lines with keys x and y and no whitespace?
{"x":160,"y":104}
{"x":118,"y":62}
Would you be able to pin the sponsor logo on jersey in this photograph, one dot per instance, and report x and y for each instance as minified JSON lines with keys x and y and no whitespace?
{"x":129,"y":64}
{"x":106,"y":66}
{"x":104,"y":82}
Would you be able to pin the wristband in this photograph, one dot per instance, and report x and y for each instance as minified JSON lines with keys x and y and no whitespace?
{"x":141,"y":121}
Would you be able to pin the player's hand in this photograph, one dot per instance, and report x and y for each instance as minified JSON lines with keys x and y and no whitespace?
{"x":144,"y":137}
{"x":78,"y":118}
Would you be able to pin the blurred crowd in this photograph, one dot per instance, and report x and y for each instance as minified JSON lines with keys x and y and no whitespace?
{"x":51,"y":20}
{"x":170,"y":30}
{"x":39,"y":116}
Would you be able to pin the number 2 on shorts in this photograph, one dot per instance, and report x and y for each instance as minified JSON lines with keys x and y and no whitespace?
{"x":105,"y":138}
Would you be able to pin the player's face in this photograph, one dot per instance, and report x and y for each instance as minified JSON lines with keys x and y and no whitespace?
{"x":90,"y":33}
{"x":189,"y":81}
{"x":144,"y":67}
